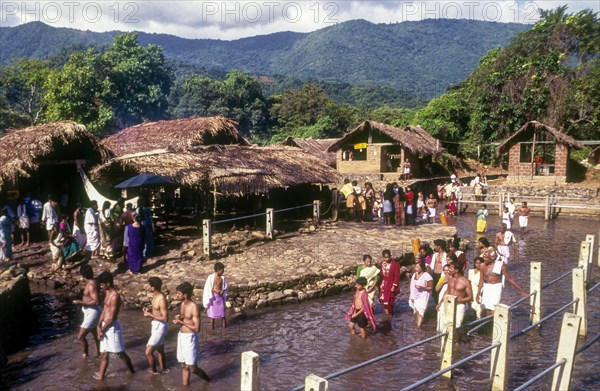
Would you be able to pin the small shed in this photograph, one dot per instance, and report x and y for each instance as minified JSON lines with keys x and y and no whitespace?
{"x":374,"y":147}
{"x":538,"y":153}
{"x":314,"y":146}
{"x":43,"y":159}
{"x":177,"y":133}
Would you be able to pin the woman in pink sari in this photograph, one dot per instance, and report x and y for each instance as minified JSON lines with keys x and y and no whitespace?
{"x":390,"y":272}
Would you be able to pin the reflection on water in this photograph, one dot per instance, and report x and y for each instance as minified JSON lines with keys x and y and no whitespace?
{"x":312,"y":337}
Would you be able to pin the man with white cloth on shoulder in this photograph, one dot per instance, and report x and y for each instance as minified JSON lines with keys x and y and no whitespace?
{"x":505,"y":243}
{"x":490,"y":285}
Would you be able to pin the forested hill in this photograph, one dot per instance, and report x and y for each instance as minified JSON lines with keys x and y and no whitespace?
{"x":421,"y":57}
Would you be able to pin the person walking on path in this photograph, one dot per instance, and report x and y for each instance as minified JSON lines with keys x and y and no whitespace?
{"x":109,"y":328}
{"x":390,"y":272}
{"x":90,"y":306}
{"x":214,"y":296}
{"x":159,"y":325}
{"x":187,"y":340}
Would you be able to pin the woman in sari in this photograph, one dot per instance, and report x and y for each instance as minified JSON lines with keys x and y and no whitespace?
{"x":136,"y":238}
{"x":106,"y":231}
{"x":371,"y":273}
{"x":452,"y":207}
{"x":390,"y":272}
{"x":399,"y":201}
{"x":69,"y":246}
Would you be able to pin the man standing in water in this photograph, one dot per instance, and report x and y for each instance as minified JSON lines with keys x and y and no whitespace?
{"x":160,"y":317}
{"x":187,"y":339}
{"x":524,"y":213}
{"x":490,"y":284}
{"x":459,"y":286}
{"x":90,"y":308}
{"x":505,"y":243}
{"x":109,"y":328}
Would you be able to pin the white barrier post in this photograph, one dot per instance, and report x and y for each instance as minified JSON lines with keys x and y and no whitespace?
{"x":450,"y":328}
{"x":584,"y":256}
{"x":590,"y":239}
{"x":315,"y":383}
{"x":535,"y":284}
{"x":500,"y":204}
{"x":579,"y":292}
{"x":270,"y":215}
{"x":499,"y":355}
{"x":206,"y":236}
{"x":566,"y":350}
{"x":547,"y":209}
{"x":316,"y":211}
{"x":250,"y":372}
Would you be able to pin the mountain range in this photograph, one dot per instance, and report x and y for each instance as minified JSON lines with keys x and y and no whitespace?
{"x":420,"y":58}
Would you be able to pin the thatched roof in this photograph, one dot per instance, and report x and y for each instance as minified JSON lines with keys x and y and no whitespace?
{"x":233,"y":169}
{"x":23,"y":150}
{"x":174,"y":134}
{"x":316,"y":147}
{"x":414,"y":138}
{"x":542,"y":131}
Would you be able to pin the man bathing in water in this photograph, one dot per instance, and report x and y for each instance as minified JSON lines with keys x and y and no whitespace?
{"x":505,"y":243}
{"x":160,"y":317}
{"x":187,"y":339}
{"x":490,"y":284}
{"x":109,"y":328}
{"x":524,"y":213}
{"x":459,"y":286}
{"x":91,"y":310}
{"x":360,"y":312}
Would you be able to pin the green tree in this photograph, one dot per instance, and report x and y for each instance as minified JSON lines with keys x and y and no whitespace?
{"x":21,"y":86}
{"x":124,"y":85}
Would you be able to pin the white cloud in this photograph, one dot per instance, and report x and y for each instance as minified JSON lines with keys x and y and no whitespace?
{"x":236,"y":19}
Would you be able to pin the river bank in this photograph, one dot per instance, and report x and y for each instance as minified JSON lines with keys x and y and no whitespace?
{"x":296,"y":266}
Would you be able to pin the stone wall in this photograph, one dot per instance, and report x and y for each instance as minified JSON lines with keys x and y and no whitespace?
{"x":15,"y":309}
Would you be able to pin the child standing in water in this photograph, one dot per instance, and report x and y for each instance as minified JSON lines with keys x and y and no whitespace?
{"x":215,"y":295}
{"x":360,"y":312}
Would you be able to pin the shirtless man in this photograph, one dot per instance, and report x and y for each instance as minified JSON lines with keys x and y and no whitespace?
{"x":438,"y":260}
{"x":524,"y":213}
{"x":490,"y":285}
{"x":187,"y":339}
{"x":505,"y":243}
{"x":459,"y":286}
{"x":431,"y":204}
{"x":160,"y":317}
{"x":90,"y":308}
{"x":109,"y":328}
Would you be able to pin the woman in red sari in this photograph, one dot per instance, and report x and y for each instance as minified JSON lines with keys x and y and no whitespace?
{"x":390,"y":272}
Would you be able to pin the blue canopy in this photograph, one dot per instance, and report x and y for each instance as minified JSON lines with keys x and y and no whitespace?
{"x":146,"y":179}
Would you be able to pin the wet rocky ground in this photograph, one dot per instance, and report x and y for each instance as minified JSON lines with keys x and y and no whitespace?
{"x":307,"y":262}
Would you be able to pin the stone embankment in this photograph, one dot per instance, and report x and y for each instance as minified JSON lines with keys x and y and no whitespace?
{"x":296,"y":266}
{"x":15,"y":309}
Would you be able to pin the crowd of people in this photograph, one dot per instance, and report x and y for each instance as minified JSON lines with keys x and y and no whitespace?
{"x":435,"y":272}
{"x":114,"y":232}
{"x":102,"y":321}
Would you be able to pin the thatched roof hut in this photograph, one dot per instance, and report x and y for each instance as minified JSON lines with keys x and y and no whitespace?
{"x":24,"y":150}
{"x":414,"y":138}
{"x":543,"y":132}
{"x":231,"y":169}
{"x":175,"y":134}
{"x":316,"y":147}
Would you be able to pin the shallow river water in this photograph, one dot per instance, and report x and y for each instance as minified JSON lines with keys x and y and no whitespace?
{"x":311,"y":337}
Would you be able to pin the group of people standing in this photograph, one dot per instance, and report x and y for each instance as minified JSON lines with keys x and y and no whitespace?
{"x":509,"y":213}
{"x":102,"y":322}
{"x":436,"y":273}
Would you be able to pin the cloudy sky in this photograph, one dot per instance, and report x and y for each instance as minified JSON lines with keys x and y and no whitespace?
{"x":236,"y":19}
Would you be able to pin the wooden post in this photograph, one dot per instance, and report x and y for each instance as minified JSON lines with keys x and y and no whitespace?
{"x":250,"y":372}
{"x":270,"y":222}
{"x":579,"y":292}
{"x":315,"y":383}
{"x":547,"y":209}
{"x":584,"y":256}
{"x":566,"y":350}
{"x":499,"y":355}
{"x":206,"y":236}
{"x":450,"y":328}
{"x":535,"y":284}
{"x":335,"y":205}
{"x":590,"y":239}
{"x":316,"y":211}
